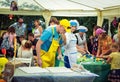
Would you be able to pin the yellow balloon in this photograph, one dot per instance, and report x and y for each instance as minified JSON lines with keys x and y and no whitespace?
{"x":3,"y":61}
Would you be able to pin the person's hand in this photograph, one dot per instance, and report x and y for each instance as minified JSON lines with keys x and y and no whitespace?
{"x":83,"y":52}
{"x":39,"y":62}
{"x":88,"y":52}
{"x":59,"y":57}
{"x":101,"y":56}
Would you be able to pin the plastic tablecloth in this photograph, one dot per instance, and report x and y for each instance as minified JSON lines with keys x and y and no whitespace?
{"x":21,"y":76}
{"x":98,"y":67}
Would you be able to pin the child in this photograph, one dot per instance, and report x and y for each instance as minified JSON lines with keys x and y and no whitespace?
{"x":114,"y":60}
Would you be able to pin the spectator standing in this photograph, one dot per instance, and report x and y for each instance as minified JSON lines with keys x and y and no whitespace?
{"x":38,"y":29}
{"x":81,"y":40}
{"x":33,"y":41}
{"x":49,"y":42}
{"x":70,"y":52}
{"x":20,"y":28}
{"x":104,"y":42}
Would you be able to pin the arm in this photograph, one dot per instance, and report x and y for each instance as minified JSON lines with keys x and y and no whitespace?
{"x":86,"y":48}
{"x":99,"y":48}
{"x":41,"y":30}
{"x":80,"y":49}
{"x":59,"y":53}
{"x":91,"y":40}
{"x":105,"y":57}
{"x":64,"y":39}
{"x":109,"y":59}
{"x":43,"y":38}
{"x":38,"y":48}
{"x":98,"y":52}
{"x":14,"y":24}
{"x":107,"y":52}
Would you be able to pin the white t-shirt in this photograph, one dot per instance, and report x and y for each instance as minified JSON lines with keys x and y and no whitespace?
{"x":24,"y":53}
{"x":70,"y":47}
{"x":37,"y":32}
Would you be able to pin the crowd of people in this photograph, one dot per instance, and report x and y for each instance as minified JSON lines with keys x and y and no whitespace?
{"x":45,"y":46}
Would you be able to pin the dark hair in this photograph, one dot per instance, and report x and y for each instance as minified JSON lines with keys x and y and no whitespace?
{"x":28,"y":44}
{"x":15,"y":8}
{"x":11,"y":29}
{"x":54,"y":19}
{"x":31,"y":34}
{"x":96,"y":27}
{"x":22,"y":36}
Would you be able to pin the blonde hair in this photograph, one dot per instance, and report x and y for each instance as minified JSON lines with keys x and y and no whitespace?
{"x":28,"y":44}
{"x":115,"y":45}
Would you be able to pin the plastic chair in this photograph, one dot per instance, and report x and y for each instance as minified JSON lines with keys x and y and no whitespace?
{"x":24,"y":60}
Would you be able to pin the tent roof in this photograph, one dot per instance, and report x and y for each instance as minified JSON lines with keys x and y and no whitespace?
{"x":99,"y":4}
{"x":61,"y":7}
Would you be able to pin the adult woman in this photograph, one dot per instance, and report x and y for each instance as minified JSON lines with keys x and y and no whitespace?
{"x":104,"y":42}
{"x":8,"y":41}
{"x":81,"y":42}
{"x":94,"y":41}
{"x":11,"y":35}
{"x":70,"y":52}
{"x":25,"y":50}
{"x":38,"y":29}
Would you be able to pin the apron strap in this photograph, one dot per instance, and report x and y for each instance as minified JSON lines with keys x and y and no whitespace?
{"x":53,"y":32}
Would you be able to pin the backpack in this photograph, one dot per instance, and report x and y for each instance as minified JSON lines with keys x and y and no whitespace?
{"x":5,"y":43}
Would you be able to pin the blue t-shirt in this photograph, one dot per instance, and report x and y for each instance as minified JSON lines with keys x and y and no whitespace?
{"x":47,"y":36}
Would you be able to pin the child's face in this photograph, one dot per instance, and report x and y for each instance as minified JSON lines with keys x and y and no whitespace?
{"x":73,"y":28}
{"x":30,"y":38}
{"x":21,"y":39}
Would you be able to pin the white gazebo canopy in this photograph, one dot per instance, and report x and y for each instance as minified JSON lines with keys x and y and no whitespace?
{"x":47,"y":8}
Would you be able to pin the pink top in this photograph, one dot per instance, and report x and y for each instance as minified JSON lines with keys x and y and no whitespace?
{"x":11,"y":38}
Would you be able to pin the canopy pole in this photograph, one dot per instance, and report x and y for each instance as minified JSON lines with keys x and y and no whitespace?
{"x":99,"y":18}
{"x":110,"y":20}
{"x":47,"y":16}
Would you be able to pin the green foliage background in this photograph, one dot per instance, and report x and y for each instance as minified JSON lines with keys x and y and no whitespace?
{"x":89,"y":22}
